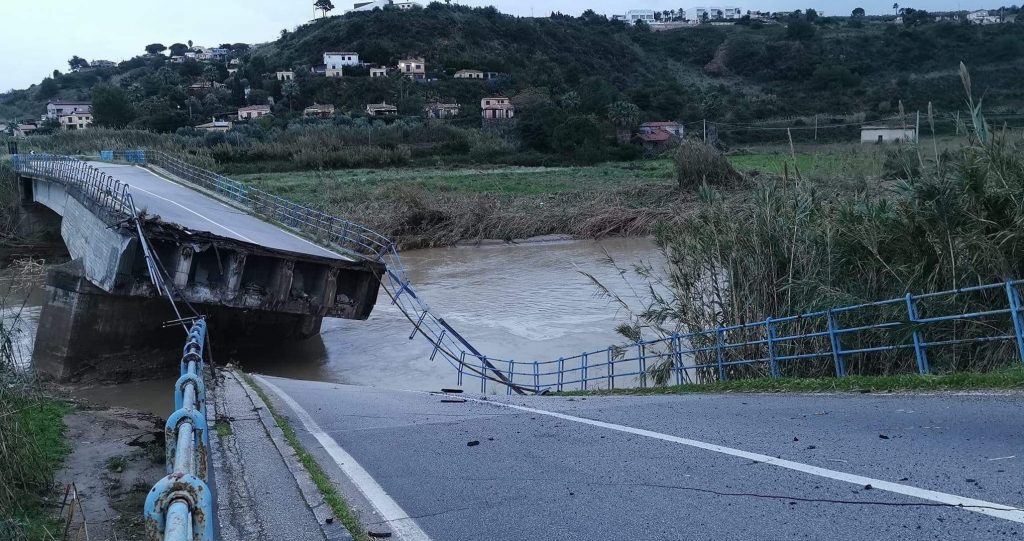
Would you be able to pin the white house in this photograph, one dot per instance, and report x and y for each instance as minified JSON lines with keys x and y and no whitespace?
{"x":76,"y":121}
{"x":59,"y":108}
{"x":215,"y":126}
{"x":885,"y":133}
{"x":383,"y":4}
{"x":496,"y":107}
{"x":413,"y":68}
{"x":334,"y":62}
{"x":102,"y":64}
{"x":714,"y":13}
{"x":285,"y":75}
{"x":634,"y":16}
{"x":469,"y":74}
{"x":407,"y":5}
{"x":253,"y":111}
{"x":378,"y":72}
{"x":983,"y":16}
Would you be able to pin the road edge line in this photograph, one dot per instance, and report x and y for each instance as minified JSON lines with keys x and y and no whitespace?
{"x":401,"y":523}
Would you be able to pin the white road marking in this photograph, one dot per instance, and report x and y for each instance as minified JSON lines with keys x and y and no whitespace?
{"x":997,"y":510}
{"x":403,"y":527}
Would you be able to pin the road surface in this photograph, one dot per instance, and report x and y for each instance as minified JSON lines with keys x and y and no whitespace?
{"x":717,"y":467}
{"x":192,"y":209}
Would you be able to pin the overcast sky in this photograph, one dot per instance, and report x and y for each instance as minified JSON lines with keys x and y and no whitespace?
{"x":37,"y":37}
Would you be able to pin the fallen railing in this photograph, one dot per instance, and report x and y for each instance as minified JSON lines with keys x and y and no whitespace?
{"x":180,"y":506}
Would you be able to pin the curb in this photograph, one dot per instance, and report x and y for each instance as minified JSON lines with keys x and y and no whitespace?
{"x":332,"y":528}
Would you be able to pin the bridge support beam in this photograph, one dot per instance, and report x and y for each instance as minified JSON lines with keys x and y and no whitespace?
{"x":88,"y":334}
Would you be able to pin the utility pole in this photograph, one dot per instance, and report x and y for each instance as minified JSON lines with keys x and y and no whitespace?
{"x":705,"y":131}
{"x":815,"y":128}
{"x":917,"y":128}
{"x":958,"y":122}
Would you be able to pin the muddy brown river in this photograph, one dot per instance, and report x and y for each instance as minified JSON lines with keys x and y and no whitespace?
{"x":524,"y":302}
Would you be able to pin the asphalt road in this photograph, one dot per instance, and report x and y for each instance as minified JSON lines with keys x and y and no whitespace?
{"x":177,"y":204}
{"x":716,"y":467}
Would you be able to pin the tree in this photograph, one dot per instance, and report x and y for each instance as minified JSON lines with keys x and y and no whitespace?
{"x":179,"y":49}
{"x":812,"y":15}
{"x":155,"y":48}
{"x":324,"y":6}
{"x":111,"y":106}
{"x":77,"y":63}
{"x":800,"y":30}
{"x":896,"y":8}
{"x":858,"y":13}
{"x":625,"y":116}
{"x":916,"y":17}
{"x":290,"y":90}
{"x":48,"y":88}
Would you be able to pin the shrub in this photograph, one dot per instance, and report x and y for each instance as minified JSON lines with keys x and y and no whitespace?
{"x":698,"y":164}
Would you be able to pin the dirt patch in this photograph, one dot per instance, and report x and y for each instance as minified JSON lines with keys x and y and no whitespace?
{"x":117,"y":455}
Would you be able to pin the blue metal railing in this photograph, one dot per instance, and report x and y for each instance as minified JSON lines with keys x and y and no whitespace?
{"x":180,"y":506}
{"x":107,"y":195}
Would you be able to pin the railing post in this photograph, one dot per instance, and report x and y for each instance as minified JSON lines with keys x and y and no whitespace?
{"x":483,"y":375}
{"x":774,"y":364}
{"x":837,"y":352}
{"x":584,"y":372}
{"x":511,"y":376}
{"x":536,"y":377}
{"x":611,"y":370}
{"x":561,"y":373}
{"x":1018,"y":327}
{"x":720,"y":354}
{"x":642,"y":354}
{"x":919,"y":351}
{"x":462,"y":365}
{"x":677,"y":359}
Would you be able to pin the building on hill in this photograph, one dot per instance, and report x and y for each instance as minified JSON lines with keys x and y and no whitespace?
{"x":253,"y":112}
{"x":103,"y":64}
{"x":983,"y":16}
{"x":656,"y":136}
{"x":76,"y":121}
{"x":334,"y":63}
{"x":25,"y":129}
{"x":204,"y":86}
{"x":318,"y":70}
{"x":469,"y":74}
{"x":378,"y":72}
{"x":441,"y":110}
{"x":319,"y":110}
{"x":215,"y":126}
{"x":384,"y":4}
{"x":413,"y":68}
{"x":58,"y":108}
{"x":497,"y":108}
{"x":178,"y":59}
{"x":634,"y":16}
{"x":381,"y":109}
{"x":285,"y":75}
{"x":888,"y":133}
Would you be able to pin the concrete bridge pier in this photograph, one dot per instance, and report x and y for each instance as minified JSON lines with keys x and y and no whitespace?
{"x":87,"y":333}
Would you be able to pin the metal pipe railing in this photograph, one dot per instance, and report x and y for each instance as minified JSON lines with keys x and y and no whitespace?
{"x":180,"y":506}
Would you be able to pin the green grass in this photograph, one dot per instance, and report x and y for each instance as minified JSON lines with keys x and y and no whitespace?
{"x":1003,"y":379}
{"x":341,"y":509}
{"x":223,"y":429}
{"x":36,"y":428}
{"x":505,"y":180}
{"x":822,"y":162}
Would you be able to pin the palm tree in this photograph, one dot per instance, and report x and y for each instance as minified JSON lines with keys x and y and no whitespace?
{"x":290,"y":91}
{"x":896,"y":8}
{"x":625,"y":116}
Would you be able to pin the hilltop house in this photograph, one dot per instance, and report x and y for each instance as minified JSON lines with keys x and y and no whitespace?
{"x":378,"y":72}
{"x":215,"y":126}
{"x":983,"y":16}
{"x":102,"y":64}
{"x":285,"y":75}
{"x":442,"y":110}
{"x":26,"y":129}
{"x":888,"y":133}
{"x":253,"y":111}
{"x":335,"y":62}
{"x":76,"y":121}
{"x":655,"y":136}
{"x":413,"y":68}
{"x":497,"y":108}
{"x":384,"y":4}
{"x":381,"y":109}
{"x":319,"y":110}
{"x":469,"y":74}
{"x":56,"y":109}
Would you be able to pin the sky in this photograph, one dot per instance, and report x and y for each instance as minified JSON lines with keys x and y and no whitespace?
{"x":39,"y":37}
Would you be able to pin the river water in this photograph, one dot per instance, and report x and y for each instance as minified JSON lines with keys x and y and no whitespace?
{"x":528,"y":301}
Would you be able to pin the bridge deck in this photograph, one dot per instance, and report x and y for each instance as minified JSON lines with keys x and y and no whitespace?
{"x":180,"y":205}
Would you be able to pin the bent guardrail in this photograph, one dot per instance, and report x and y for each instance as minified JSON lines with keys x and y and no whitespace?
{"x":105,"y":195}
{"x":180,"y":506}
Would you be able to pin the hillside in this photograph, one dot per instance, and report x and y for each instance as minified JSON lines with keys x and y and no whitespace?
{"x":564,"y":72}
